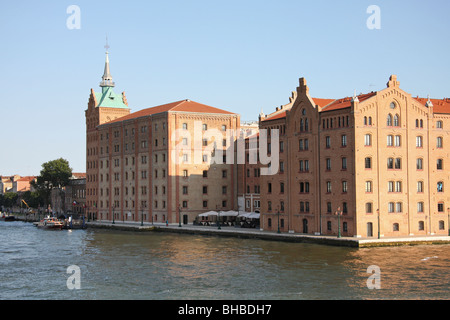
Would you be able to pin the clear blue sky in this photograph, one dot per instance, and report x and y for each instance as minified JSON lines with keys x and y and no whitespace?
{"x":242,"y":56}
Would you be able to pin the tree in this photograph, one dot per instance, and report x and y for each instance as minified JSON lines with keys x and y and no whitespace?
{"x":55,"y":174}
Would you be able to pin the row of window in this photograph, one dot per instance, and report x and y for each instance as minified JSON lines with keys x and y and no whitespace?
{"x":396,"y":141}
{"x":397,"y":163}
{"x":398,"y":207}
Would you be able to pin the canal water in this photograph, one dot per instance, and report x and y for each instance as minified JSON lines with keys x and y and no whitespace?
{"x":124,"y":265}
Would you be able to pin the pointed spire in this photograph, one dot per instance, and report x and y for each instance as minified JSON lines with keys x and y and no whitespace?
{"x":429,"y":103}
{"x":107,"y":78}
{"x":355,"y":97}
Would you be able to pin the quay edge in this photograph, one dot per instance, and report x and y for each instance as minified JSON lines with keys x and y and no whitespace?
{"x":286,"y":237}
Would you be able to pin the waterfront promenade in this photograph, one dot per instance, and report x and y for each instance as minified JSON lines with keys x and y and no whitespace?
{"x":227,"y":231}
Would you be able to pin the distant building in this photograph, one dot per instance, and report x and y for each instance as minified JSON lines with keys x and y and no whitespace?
{"x":23,"y":184}
{"x":6,"y":183}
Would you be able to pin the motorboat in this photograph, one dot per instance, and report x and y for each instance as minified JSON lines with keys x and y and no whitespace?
{"x":8,"y":217}
{"x":50,"y":223}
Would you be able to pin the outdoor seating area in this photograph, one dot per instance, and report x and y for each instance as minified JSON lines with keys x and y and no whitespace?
{"x":238,"y":219}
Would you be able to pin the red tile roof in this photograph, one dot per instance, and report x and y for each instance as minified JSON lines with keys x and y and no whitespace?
{"x":183,"y":106}
{"x":439,"y":105}
{"x":345,"y":102}
{"x":280,"y":115}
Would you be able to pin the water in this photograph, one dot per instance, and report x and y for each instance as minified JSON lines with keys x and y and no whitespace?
{"x":156,"y":266}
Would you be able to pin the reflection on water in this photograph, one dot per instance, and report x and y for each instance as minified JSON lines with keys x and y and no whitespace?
{"x":124,"y":265}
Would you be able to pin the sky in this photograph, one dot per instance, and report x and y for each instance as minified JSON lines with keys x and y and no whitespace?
{"x":242,"y":56}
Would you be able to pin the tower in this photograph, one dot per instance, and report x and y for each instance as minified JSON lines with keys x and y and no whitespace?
{"x":102,"y":107}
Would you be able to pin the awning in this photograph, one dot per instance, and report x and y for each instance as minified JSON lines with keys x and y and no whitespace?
{"x":249,"y":215}
{"x":208,"y":214}
{"x":230,"y":213}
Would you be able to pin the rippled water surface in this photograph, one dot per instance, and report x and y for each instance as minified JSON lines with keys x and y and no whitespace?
{"x":125,"y":265}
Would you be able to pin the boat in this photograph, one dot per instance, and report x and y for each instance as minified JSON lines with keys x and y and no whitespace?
{"x":50,"y":223}
{"x":4,"y":217}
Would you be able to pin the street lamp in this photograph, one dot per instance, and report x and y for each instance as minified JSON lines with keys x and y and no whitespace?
{"x":113,"y":215}
{"x":339,"y":214}
{"x":218,"y":220}
{"x":278,"y":214}
{"x":378,"y":216}
{"x":448,"y":223}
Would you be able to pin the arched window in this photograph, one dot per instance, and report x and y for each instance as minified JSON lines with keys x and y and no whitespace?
{"x":395,"y":227}
{"x":389,"y":120}
{"x":396,"y":120}
{"x":365,"y":121}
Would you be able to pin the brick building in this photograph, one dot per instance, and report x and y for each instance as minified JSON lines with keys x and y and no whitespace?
{"x":133,"y":172}
{"x":375,"y":159}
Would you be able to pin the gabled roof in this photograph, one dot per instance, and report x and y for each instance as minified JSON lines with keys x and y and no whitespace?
{"x":439,"y":105}
{"x":178,"y":106}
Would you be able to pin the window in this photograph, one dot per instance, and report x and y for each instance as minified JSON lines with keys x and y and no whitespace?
{"x":396,"y":120}
{"x":419,"y":142}
{"x":328,"y":207}
{"x":389,"y":120}
{"x":391,"y":207}
{"x":185,"y":189}
{"x":204,"y":127}
{"x":439,"y":164}
{"x":205,"y":173}
{"x":327,"y":141}
{"x":328,"y":164}
{"x":419,"y":207}
{"x":397,"y":141}
{"x":185,"y":126}
{"x":269,"y":187}
{"x":390,"y":163}
{"x":439,"y":142}
{"x":368,"y":163}
{"x":328,"y":186}
{"x":419,"y":186}
{"x":421,"y":226}
{"x":205,"y":204}
{"x":439,"y":125}
{"x":390,"y":140}
{"x":369,"y":186}
{"x":395,"y":227}
{"x":281,"y":187}
{"x":344,"y":140}
{"x":369,"y":207}
{"x":440,"y":186}
{"x":344,"y":186}
{"x":419,"y":164}
{"x":441,"y":225}
{"x":390,"y":186}
{"x":205,"y":189}
{"x":440,"y":207}
{"x":398,"y":207}
{"x":398,"y":163}
{"x":398,"y":186}
{"x":344,"y":163}
{"x":185,"y":173}
{"x":392,"y":105}
{"x":367,"y":140}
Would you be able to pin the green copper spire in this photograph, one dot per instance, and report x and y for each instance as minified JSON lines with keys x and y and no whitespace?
{"x":108,"y":98}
